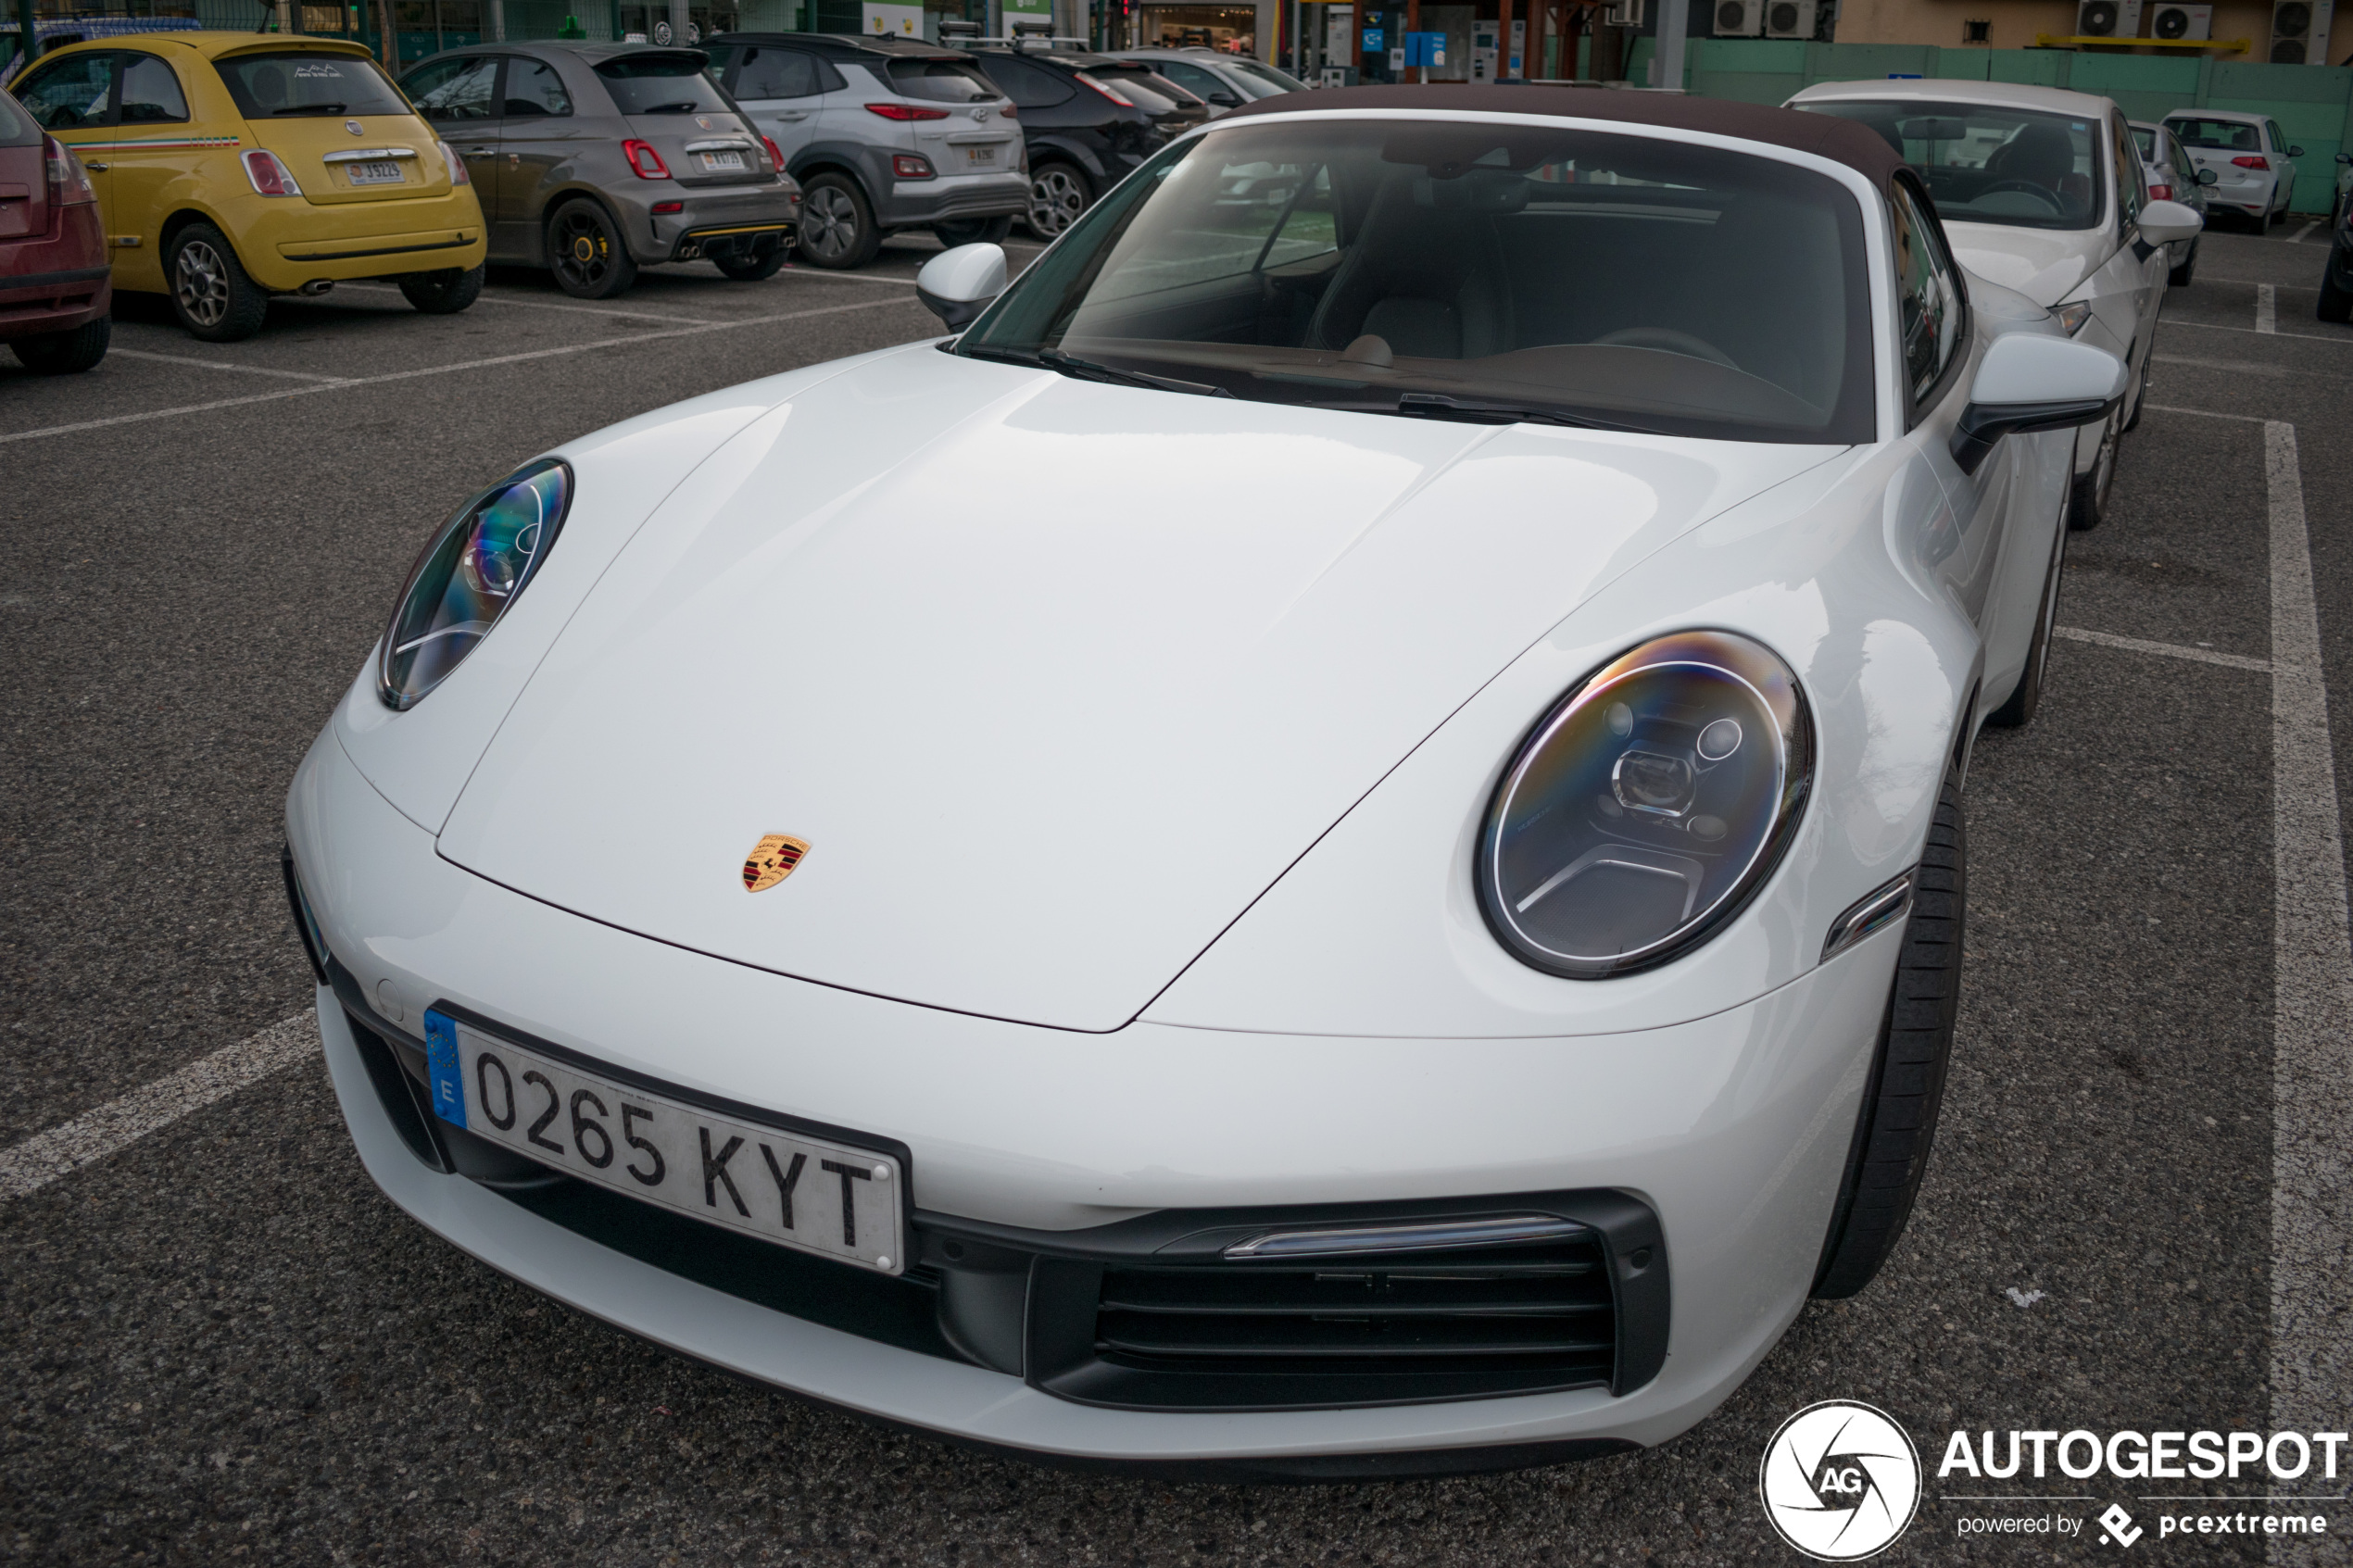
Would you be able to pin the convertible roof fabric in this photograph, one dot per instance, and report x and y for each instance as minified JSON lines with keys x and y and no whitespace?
{"x":1842,"y":141}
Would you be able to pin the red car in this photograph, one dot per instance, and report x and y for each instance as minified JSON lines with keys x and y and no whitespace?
{"x":55,"y":298}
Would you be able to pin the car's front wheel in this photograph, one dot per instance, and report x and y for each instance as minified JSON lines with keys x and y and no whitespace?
{"x":836,"y":225}
{"x":1058,"y":192}
{"x":1897,"y":1124}
{"x":586,"y":252}
{"x":444,"y":292}
{"x":974,"y":232}
{"x":2179,"y":277}
{"x":64,"y":354}
{"x":2087,"y":502}
{"x":210,"y":292}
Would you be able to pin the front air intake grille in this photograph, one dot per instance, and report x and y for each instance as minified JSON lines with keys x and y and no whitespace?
{"x":1397,"y":1327}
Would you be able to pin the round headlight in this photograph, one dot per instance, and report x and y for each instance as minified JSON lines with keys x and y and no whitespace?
{"x":474,"y":568}
{"x":1648,"y":806}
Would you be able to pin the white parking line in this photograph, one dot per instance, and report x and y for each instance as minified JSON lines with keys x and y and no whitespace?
{"x":2312,"y":987}
{"x":2298,"y":238}
{"x":2170,"y":650}
{"x":489,"y":297}
{"x":65,"y":1148}
{"x":221,"y":365}
{"x":2267,"y":308}
{"x":2219,"y":327}
{"x":446,"y":369}
{"x":2206,"y":413}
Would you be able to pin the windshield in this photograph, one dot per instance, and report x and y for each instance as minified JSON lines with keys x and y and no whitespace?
{"x":652,"y":83}
{"x":1988,"y":164}
{"x":17,"y":129}
{"x":2217,"y":135}
{"x":1464,"y":271}
{"x":302,"y":82}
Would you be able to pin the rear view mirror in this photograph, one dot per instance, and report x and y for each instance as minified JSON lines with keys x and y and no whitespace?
{"x":1934,"y":128}
{"x":2296,"y":152}
{"x":2028,"y":383}
{"x":2163,"y":222}
{"x":957,"y":286}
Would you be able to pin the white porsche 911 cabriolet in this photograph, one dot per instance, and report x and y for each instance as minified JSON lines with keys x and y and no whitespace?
{"x":1329,"y":843}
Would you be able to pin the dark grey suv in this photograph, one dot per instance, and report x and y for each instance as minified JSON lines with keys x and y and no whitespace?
{"x":595,"y":159}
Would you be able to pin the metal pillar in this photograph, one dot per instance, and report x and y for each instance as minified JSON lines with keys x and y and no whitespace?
{"x":1674,"y":25}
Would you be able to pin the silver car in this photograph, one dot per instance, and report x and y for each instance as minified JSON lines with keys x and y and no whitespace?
{"x":1224,"y":81}
{"x":2172,"y":177}
{"x":883,"y":134}
{"x":596,"y":160}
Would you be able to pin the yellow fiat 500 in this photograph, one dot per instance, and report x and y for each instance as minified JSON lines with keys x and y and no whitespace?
{"x":231,"y":166}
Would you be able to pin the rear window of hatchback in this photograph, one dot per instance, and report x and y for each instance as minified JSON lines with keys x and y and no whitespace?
{"x":305,"y":81}
{"x":943,"y":81}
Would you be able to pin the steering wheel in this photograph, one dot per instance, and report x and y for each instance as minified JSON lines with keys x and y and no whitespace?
{"x":1668,"y":340}
{"x":2028,"y":187}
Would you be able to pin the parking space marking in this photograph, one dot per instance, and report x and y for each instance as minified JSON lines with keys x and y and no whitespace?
{"x":2267,"y":309}
{"x":33,"y":1164}
{"x":2206,"y":413}
{"x":487,"y":298}
{"x":446,"y":370}
{"x":2243,"y":367}
{"x":2219,"y":327}
{"x":223,"y":365}
{"x":2298,"y":238}
{"x":847,"y":277}
{"x":2170,"y":650}
{"x":2312,"y":969}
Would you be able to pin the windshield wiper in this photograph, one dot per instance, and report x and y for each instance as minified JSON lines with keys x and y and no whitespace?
{"x":310,"y":108}
{"x":1087,"y":370}
{"x":1438,"y":406}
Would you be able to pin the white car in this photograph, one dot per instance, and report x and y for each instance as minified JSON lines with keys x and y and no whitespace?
{"x":1330,"y":846}
{"x":2253,"y":163}
{"x":1223,"y":82}
{"x":2041,"y":190}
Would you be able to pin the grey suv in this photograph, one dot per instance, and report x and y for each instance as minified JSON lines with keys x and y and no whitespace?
{"x":595,"y":159}
{"x":883,"y":134}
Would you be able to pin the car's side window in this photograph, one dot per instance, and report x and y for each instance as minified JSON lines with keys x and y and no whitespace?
{"x":2132,"y":183}
{"x":2278,"y":136}
{"x":151,"y":92}
{"x":1029,"y":86}
{"x":778,"y":73}
{"x":1927,"y":294}
{"x":70,"y":94}
{"x":534,"y":90}
{"x":1199,"y":81}
{"x":454,"y":90}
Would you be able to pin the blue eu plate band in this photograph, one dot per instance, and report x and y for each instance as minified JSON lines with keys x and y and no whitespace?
{"x":441,"y":1065}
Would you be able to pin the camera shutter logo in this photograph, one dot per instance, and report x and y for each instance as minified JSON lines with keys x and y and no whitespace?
{"x":1839,"y":1481}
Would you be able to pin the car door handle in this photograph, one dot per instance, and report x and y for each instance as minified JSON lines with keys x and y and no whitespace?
{"x":481,"y":151}
{"x":797,"y":114}
{"x":94,"y":167}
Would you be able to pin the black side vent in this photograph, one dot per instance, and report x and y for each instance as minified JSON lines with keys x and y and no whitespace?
{"x":1377,"y":1328}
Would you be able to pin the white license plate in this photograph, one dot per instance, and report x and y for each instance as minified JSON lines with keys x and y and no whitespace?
{"x":384,"y":174}
{"x":804,"y":1193}
{"x":723,"y":163}
{"x":980,"y":157}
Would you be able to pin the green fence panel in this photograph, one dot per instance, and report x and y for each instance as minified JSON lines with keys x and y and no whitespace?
{"x":1964,"y":65}
{"x":2028,"y":68}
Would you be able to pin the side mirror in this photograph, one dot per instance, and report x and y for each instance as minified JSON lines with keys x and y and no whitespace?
{"x":957,"y":286}
{"x":2028,"y":383}
{"x":2208,"y":176}
{"x":1225,"y":100}
{"x":2163,"y":222}
{"x":2296,"y":152}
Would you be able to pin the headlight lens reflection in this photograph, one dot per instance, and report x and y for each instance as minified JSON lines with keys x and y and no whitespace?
{"x":476,"y":566}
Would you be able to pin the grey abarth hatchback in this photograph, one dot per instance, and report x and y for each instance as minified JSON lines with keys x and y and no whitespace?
{"x":596,"y":160}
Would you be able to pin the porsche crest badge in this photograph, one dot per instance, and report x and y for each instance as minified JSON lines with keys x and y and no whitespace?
{"x":771,"y":860}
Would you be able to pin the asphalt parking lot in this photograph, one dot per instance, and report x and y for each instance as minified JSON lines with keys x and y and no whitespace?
{"x":221,"y":1345}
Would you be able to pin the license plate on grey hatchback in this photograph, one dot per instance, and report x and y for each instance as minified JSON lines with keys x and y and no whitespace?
{"x":809,"y":1194}
{"x":723,"y":163}
{"x":384,"y":174}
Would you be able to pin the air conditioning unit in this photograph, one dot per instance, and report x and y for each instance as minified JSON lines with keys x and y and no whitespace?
{"x":1622,"y":13}
{"x":2300,"y":31}
{"x":1792,"y":19}
{"x":1739,"y":18}
{"x":2108,"y":18}
{"x":2189,"y":24}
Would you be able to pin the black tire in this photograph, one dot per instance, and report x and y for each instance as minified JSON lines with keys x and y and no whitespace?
{"x":974,"y":232}
{"x":2019,"y":711}
{"x":587,"y":251}
{"x":66,"y":353}
{"x":1059,"y":192}
{"x":837,"y":229}
{"x":2179,"y":277}
{"x":1897,"y":1124}
{"x":444,"y":292}
{"x":210,"y":292}
{"x":2336,"y":304}
{"x":2087,"y":499}
{"x":751,"y":268}
{"x":2141,"y":392}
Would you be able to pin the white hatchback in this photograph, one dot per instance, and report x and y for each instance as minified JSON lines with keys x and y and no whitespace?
{"x":2254,"y":163}
{"x":2042,"y":190}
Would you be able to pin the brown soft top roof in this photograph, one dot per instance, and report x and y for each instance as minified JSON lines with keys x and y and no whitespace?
{"x":1842,"y":141}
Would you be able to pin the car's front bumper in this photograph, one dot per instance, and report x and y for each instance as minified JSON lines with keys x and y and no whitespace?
{"x":1732,"y":1133}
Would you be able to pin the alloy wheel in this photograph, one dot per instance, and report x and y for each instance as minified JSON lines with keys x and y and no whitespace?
{"x":829,"y":222}
{"x":200,"y":284}
{"x":1055,"y":201}
{"x":583,"y":251}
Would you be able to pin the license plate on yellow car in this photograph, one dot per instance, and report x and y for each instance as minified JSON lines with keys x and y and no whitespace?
{"x":384,"y":174}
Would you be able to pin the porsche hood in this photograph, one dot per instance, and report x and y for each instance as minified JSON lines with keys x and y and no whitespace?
{"x":1050,"y":679}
